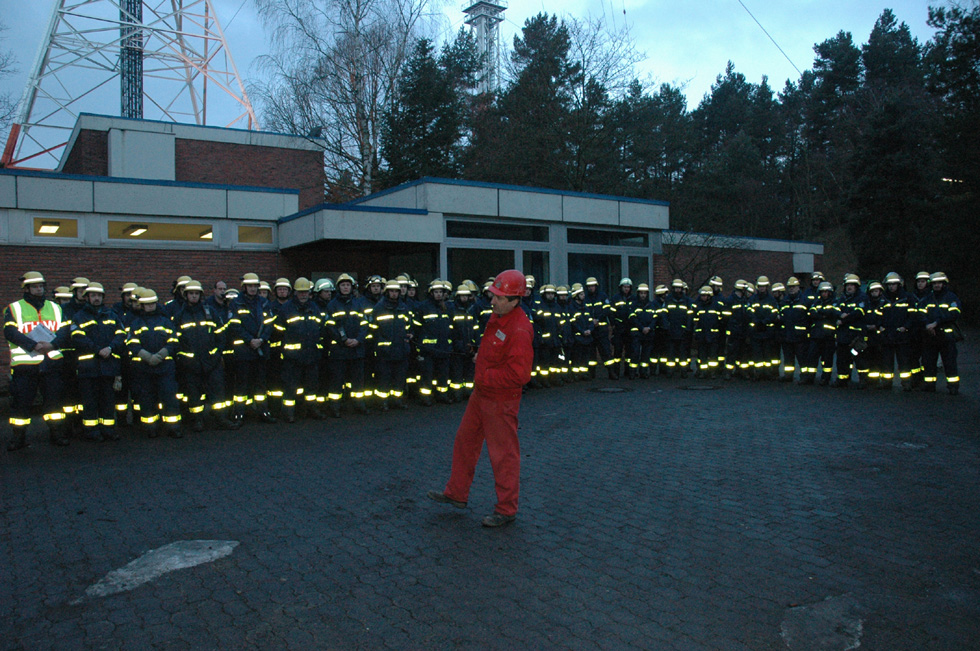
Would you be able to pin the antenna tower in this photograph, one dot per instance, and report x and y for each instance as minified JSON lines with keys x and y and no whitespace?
{"x":484,"y":18}
{"x":170,"y":56}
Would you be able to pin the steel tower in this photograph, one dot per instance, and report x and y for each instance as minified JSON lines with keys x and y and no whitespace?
{"x":485,"y":17}
{"x":170,"y":55}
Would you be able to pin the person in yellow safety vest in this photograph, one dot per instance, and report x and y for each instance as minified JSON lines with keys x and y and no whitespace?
{"x":34,"y":329}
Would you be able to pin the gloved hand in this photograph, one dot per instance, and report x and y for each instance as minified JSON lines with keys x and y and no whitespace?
{"x":144,"y":355}
{"x":163,"y":353}
{"x":117,"y":383}
{"x":155,"y":359}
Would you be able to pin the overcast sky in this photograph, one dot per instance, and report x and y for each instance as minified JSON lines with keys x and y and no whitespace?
{"x":685,"y":42}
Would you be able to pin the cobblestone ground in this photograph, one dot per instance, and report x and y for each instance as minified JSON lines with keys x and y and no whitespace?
{"x":751,"y":516}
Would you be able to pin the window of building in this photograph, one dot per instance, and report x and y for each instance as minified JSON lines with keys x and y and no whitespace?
{"x":255,"y":235}
{"x":474,"y":230}
{"x":639,"y":270}
{"x":605,"y":268}
{"x":55,"y":227}
{"x":136,"y":231}
{"x":606,"y":238}
{"x":477,"y":264}
{"x":536,"y":264}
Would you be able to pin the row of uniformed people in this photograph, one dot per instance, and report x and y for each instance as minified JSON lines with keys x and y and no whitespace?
{"x":762,"y":326}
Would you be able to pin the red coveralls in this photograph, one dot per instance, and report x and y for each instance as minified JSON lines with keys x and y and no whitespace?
{"x":503,"y":367}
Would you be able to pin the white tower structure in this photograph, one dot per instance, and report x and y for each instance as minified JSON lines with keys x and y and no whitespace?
{"x":170,"y":58}
{"x":484,"y":18}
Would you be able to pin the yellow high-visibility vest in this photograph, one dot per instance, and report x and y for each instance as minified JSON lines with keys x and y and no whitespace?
{"x":27,"y":318}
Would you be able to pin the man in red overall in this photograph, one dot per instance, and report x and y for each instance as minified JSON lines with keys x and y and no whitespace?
{"x":503,"y":367}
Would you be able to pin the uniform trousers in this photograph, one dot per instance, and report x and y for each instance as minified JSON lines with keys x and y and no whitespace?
{"x":98,"y":404}
{"x":708,"y":352}
{"x":548,"y":359}
{"x":495,"y":421}
{"x":735,"y":352}
{"x":622,"y":346}
{"x":156,"y":391}
{"x":346,"y":374}
{"x":126,"y":394}
{"x":678,"y":354}
{"x":435,"y":375}
{"x":642,"y":354}
{"x":24,"y":384}
{"x":198,"y":384}
{"x":389,"y":377}
{"x":794,"y":356}
{"x":300,"y":381}
{"x":821,"y":356}
{"x":461,"y":370}
{"x":580,"y":358}
{"x":602,"y":349}
{"x":895,"y":355}
{"x":846,"y":360}
{"x":932,"y":349}
{"x":250,"y":383}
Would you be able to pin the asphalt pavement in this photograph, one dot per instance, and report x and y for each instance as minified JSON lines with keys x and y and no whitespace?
{"x":655,"y":514}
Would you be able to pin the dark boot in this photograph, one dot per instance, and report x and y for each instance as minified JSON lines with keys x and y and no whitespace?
{"x":92,"y":434}
{"x":57,"y":435}
{"x":174,"y":431}
{"x":267,"y":417}
{"x":110,"y":434}
{"x":384,"y":405}
{"x":954,"y":388}
{"x":316,"y":413}
{"x":152,"y":429}
{"x":197,"y":423}
{"x":289,"y":414}
{"x":18,"y":440}
{"x":223,"y":423}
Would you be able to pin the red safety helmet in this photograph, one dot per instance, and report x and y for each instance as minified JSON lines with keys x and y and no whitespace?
{"x":509,"y":283}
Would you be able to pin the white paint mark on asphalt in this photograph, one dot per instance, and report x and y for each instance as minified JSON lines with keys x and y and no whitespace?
{"x":831,"y":625}
{"x":157,"y":562}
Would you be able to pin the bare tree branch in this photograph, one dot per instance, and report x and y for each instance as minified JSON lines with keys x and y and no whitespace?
{"x":8,"y":105}
{"x":334,"y":74}
{"x":696,"y":257}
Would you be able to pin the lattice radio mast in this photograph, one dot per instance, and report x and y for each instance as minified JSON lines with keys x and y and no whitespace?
{"x":484,"y":18}
{"x":166,"y":54}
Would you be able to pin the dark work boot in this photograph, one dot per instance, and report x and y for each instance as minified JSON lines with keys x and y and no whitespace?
{"x":174,"y":431}
{"x":57,"y":435}
{"x":223,"y":423}
{"x":197,"y":423}
{"x":954,"y":388}
{"x":18,"y":440}
{"x":266,"y":417}
{"x":289,"y":414}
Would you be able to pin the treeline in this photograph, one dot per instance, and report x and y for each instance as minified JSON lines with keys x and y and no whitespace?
{"x":874,"y":151}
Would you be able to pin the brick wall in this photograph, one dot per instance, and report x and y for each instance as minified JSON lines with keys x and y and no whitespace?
{"x":200,"y":161}
{"x":90,"y":155}
{"x":155,"y":269}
